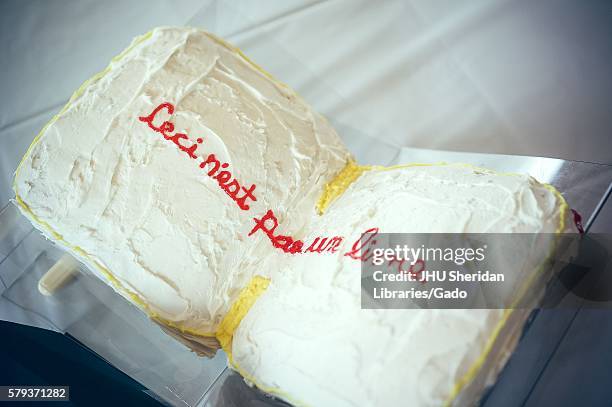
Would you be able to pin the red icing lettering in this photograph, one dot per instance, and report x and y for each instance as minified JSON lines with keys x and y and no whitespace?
{"x":224,"y":178}
{"x":285,"y":243}
{"x":319,"y":245}
{"x":243,"y":196}
{"x":248,"y":194}
{"x":149,"y":119}
{"x":360,"y":250}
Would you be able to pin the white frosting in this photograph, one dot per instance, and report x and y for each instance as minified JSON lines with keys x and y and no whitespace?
{"x":307,"y":336}
{"x":136,"y":204}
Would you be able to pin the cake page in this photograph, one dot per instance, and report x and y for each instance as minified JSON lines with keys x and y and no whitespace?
{"x":307,"y":337}
{"x":154,"y":172}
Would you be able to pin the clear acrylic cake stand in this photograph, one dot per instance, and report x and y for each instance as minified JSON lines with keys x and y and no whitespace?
{"x":90,"y":312}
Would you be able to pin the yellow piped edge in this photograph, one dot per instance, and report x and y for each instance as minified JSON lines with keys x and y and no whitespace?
{"x":352,"y":171}
{"x":340,"y":183}
{"x":44,"y":225}
{"x":474,"y":369}
{"x":225,"y":332}
{"x":78,"y":250}
{"x":332,"y":191}
{"x":246,"y":299}
{"x":238,"y":310}
{"x":257,"y":67}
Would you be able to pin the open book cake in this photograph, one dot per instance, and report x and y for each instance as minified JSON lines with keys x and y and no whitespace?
{"x":216,"y":200}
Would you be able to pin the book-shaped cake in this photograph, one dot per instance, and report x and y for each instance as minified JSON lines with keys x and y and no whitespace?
{"x":216,"y":200}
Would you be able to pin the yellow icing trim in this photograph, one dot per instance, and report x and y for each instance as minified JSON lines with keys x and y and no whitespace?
{"x":25,"y":208}
{"x":82,"y":253}
{"x":254,"y":65}
{"x":563,"y":210}
{"x":238,"y":310}
{"x":225,"y":332}
{"x":474,"y":369}
{"x":340,"y":183}
{"x":274,"y":391}
{"x":352,"y":171}
{"x":58,"y":237}
{"x":172,"y":324}
{"x":333,"y":190}
{"x":75,"y":96}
